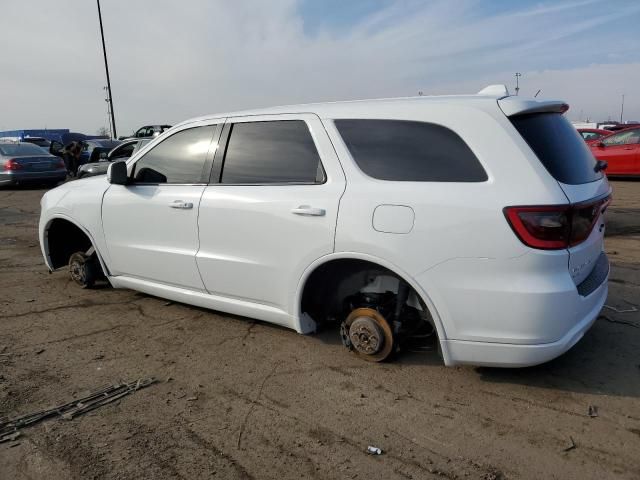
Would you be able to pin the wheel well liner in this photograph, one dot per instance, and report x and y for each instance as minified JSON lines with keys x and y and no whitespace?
{"x":329,"y":283}
{"x":63,"y":239}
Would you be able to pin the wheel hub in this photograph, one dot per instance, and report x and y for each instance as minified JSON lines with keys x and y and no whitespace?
{"x":367,"y":333}
{"x":77,"y":271}
{"x":366,"y":336}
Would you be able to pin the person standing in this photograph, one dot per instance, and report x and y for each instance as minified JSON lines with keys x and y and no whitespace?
{"x":71,"y":158}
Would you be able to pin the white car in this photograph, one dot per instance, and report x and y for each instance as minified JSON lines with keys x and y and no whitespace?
{"x":477,"y":217}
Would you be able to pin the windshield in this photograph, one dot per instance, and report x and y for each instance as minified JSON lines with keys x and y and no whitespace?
{"x":558,"y":146}
{"x":21,"y":149}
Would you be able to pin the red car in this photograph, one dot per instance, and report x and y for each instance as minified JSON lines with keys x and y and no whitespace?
{"x":621,"y":150}
{"x":593,"y":134}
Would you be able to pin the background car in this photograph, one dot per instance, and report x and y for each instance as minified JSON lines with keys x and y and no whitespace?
{"x":121,"y":152}
{"x":621,"y":151}
{"x":148,"y":131}
{"x":593,"y":134}
{"x":39,"y":141}
{"x":91,"y":149}
{"x":27,"y":163}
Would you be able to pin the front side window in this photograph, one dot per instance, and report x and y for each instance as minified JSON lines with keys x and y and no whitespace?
{"x":590,"y":135}
{"x":181,"y":158}
{"x":409,"y":151}
{"x":271,"y":152}
{"x":623,"y":138}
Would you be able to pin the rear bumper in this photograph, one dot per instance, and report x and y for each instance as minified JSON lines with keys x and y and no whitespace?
{"x":518,"y":355}
{"x":513,"y":312}
{"x":13,"y":178}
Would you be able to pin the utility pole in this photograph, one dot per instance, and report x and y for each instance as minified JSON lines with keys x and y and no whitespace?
{"x":106,"y":67}
{"x":518,"y":75}
{"x":108,"y":112}
{"x":622,"y":108}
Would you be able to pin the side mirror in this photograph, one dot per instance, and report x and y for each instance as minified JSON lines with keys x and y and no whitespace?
{"x":103,"y":156}
{"x":601,"y":145}
{"x":601,"y":166}
{"x":117,"y":173}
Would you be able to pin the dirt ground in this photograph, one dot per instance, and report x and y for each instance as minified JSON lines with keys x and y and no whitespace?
{"x":243,"y":399}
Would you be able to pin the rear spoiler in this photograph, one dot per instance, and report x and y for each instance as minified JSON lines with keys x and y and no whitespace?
{"x":512,"y":106}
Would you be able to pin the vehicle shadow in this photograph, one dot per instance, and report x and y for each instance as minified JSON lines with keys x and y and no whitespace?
{"x":604,"y":362}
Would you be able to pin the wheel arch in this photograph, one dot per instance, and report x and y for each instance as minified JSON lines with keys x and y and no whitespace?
{"x":58,"y":219}
{"x":304,"y":324}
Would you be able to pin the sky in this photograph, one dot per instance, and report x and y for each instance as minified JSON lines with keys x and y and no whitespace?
{"x":171,"y":60}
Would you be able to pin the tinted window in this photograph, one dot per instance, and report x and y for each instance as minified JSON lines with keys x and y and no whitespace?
{"x":18,"y":149}
{"x":410,"y":151}
{"x":630,"y":137}
{"x":590,"y":135}
{"x":558,"y":146}
{"x":123,"y":151}
{"x":271,"y":152}
{"x":180,"y":158}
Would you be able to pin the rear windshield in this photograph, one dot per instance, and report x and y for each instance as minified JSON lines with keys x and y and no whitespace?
{"x":558,"y":146}
{"x":20,"y":149}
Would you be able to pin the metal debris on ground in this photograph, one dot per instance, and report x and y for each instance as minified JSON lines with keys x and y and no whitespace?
{"x":10,"y":430}
{"x":374,"y":450}
{"x":572,"y":446}
{"x":623,"y":322}
{"x":626,"y":310}
{"x":593,"y":411}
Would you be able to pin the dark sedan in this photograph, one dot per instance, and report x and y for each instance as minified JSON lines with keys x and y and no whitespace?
{"x":27,"y":163}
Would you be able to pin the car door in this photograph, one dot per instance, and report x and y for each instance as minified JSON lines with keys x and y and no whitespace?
{"x":151,"y":224}
{"x":621,"y":151}
{"x":271,"y":208}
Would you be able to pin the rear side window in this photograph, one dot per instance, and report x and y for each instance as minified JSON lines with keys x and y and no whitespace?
{"x":558,"y":146}
{"x":181,"y":158}
{"x":271,"y":152}
{"x":410,"y":151}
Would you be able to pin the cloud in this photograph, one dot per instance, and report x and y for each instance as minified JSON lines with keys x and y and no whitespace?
{"x":182,"y":59}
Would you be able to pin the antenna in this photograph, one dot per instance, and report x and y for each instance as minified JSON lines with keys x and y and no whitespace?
{"x":622,"y":108}
{"x":518,"y":75}
{"x":537,"y":93}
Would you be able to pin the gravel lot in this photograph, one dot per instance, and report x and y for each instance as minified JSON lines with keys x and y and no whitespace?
{"x":243,"y":399}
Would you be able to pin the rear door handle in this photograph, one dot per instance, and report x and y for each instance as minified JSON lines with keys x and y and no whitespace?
{"x":309,"y":211}
{"x":181,"y":204}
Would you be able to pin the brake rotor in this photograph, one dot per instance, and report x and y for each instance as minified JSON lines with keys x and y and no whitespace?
{"x":369,"y":334}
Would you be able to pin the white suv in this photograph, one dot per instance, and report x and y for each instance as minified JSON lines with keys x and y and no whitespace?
{"x":477,"y":217}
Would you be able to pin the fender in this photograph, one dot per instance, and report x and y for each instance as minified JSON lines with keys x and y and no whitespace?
{"x":305,"y":325}
{"x":45,"y":245}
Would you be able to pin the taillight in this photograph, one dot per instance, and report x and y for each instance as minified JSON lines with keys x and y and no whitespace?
{"x":60,"y":164}
{"x":554,"y":227}
{"x":12,"y":164}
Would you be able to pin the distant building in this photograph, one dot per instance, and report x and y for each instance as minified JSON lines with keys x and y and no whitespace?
{"x":49,"y":134}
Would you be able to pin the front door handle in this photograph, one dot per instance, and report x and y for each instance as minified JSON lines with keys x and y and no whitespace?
{"x":309,"y":211}
{"x":181,"y":204}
